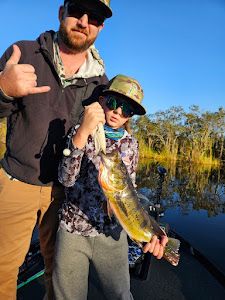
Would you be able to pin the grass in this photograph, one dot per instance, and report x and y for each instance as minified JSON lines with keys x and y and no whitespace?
{"x":145,"y":152}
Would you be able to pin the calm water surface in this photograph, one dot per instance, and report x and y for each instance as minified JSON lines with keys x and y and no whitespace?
{"x":193,"y":202}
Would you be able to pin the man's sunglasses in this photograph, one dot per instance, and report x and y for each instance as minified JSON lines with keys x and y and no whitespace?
{"x":113,"y":103}
{"x":77,"y":11}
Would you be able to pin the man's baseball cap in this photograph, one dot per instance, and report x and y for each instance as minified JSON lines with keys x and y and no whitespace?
{"x":129,"y":88}
{"x":103,"y":6}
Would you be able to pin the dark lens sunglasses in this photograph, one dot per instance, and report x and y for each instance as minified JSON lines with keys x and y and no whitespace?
{"x":76,"y":11}
{"x":113,"y":103}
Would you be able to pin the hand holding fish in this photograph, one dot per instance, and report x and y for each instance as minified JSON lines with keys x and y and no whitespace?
{"x":156,"y":246}
{"x":18,"y":80}
{"x":93,"y":115}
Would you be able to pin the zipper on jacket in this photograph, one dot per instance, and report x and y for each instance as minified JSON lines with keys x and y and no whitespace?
{"x":48,"y":56}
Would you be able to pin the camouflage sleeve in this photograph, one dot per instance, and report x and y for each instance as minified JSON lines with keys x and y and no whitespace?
{"x":134,"y":162}
{"x":70,"y":165}
{"x":130,"y":157}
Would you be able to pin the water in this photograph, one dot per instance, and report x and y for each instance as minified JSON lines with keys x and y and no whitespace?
{"x":193,"y":201}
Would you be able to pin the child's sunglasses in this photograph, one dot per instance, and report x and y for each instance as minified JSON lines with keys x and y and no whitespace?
{"x":77,"y":11}
{"x":113,"y":103}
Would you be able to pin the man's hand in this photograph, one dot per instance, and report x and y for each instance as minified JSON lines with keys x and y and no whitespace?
{"x":156,"y":247}
{"x":18,"y":80}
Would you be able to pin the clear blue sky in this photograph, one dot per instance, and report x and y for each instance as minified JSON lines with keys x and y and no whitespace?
{"x":175,"y":48}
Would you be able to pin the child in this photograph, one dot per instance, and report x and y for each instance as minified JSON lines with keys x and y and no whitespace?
{"x":87,"y":237}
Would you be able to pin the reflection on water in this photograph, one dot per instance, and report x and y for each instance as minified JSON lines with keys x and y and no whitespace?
{"x":193,"y":200}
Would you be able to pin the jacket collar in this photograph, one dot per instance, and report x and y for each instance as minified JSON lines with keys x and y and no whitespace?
{"x":93,"y":66}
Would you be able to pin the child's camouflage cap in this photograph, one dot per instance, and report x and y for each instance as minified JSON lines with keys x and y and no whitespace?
{"x":130,"y":88}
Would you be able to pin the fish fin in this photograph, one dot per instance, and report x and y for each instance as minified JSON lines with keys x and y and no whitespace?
{"x":109,"y":210}
{"x":158,"y":230}
{"x":163,"y":230}
{"x":99,"y":138}
{"x":171,"y":251}
{"x":137,"y":242}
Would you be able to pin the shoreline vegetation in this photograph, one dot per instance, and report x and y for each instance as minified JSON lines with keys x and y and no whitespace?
{"x":179,"y":136}
{"x":146,"y":154}
{"x":175,"y":135}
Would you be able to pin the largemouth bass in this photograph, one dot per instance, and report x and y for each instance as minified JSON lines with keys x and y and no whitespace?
{"x":123,"y":201}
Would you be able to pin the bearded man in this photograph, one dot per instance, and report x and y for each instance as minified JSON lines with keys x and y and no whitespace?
{"x":42,"y":86}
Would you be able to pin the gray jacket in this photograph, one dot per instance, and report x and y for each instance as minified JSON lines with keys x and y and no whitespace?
{"x":38,"y":124}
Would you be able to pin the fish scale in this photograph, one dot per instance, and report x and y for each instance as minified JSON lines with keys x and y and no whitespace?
{"x":124,"y":203}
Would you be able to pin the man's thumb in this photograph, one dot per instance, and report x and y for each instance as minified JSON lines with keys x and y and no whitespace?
{"x":15,"y":57}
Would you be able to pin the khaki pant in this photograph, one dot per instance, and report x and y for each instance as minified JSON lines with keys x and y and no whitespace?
{"x":21,"y":206}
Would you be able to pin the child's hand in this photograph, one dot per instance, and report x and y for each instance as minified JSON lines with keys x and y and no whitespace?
{"x":93,"y":115}
{"x":156,"y":247}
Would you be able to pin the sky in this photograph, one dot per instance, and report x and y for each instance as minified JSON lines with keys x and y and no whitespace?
{"x":174,"y":48}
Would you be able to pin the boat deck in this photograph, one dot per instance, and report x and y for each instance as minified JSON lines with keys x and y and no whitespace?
{"x":189,"y":280}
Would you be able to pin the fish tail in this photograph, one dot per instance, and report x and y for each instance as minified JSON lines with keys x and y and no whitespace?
{"x":171,"y":251}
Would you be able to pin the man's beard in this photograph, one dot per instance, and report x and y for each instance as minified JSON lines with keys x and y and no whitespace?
{"x":73,"y":42}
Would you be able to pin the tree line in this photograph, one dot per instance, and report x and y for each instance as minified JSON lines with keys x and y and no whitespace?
{"x":174,"y":134}
{"x":193,"y":136}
